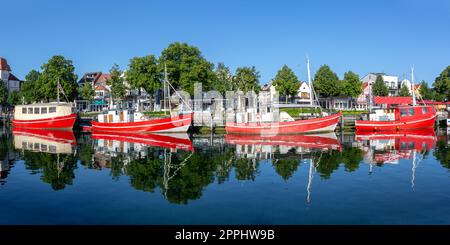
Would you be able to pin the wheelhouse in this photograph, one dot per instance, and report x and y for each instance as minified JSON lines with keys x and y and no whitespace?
{"x":413,"y":112}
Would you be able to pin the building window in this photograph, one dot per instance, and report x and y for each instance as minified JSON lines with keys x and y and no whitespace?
{"x":51,"y":109}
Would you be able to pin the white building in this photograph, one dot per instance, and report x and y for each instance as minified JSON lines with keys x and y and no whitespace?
{"x":390,"y":81}
{"x":303,"y":94}
{"x":11,"y":81}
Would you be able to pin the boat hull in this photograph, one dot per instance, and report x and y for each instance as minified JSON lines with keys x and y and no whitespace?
{"x":398,"y":125}
{"x":323,"y":124}
{"x":179,"y":124}
{"x":63,"y":122}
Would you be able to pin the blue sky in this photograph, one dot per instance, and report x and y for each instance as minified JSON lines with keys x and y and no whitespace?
{"x":362,"y":36}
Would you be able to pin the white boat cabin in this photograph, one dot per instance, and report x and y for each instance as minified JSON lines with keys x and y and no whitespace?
{"x":382,"y":115}
{"x":122,"y":116}
{"x":43,"y":111}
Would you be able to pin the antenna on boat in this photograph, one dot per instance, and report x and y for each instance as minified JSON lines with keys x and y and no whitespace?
{"x":309,"y":82}
{"x":412,"y":86}
{"x":57,"y":89}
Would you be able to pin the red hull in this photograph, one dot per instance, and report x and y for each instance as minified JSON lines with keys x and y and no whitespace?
{"x":52,"y":135}
{"x":65,"y":122}
{"x":323,"y":124}
{"x":172,"y":124}
{"x":157,"y":140}
{"x":307,"y":141}
{"x":398,"y":125}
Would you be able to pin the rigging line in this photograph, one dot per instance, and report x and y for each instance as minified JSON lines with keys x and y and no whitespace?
{"x":179,"y":95}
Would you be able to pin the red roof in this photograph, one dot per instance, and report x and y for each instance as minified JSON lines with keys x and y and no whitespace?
{"x":392,"y":100}
{"x":12,"y":77}
{"x":4,"y":64}
{"x":103,"y":78}
{"x":101,"y":88}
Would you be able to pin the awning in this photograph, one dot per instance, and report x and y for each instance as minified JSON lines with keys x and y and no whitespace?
{"x":387,"y":100}
{"x":99,"y":102}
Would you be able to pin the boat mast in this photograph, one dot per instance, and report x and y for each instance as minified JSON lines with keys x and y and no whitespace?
{"x":412,"y":86}
{"x":309,"y":82}
{"x":57,"y":89}
{"x":310,"y":178}
{"x":165,"y":89}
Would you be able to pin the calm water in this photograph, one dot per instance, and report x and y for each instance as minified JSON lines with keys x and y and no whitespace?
{"x":62,"y":178}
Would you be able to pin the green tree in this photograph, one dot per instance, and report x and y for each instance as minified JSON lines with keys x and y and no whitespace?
{"x":351,"y":85}
{"x":326,"y":82}
{"x":247,"y":79}
{"x":404,"y":91}
{"x":57,"y":68}
{"x":224,"y":79}
{"x":3,"y":93}
{"x":118,"y":88}
{"x":86,"y":91}
{"x":14,"y":98}
{"x":441,"y":85}
{"x":425,"y":92}
{"x":29,"y":90}
{"x":379,"y":88}
{"x":187,"y":66}
{"x":286,"y":82}
{"x":144,"y":73}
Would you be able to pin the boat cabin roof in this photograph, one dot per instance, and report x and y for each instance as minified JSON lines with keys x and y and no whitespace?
{"x":46,"y":104}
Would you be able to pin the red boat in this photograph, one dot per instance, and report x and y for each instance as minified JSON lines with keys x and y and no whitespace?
{"x":323,"y":142}
{"x":45,"y":116}
{"x":322,"y":124}
{"x":403,"y":118}
{"x":174,"y":141}
{"x":129,"y":121}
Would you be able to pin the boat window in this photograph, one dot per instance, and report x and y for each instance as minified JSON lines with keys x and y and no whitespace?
{"x":30,"y":110}
{"x":51,"y":109}
{"x":424,"y":110}
{"x":52,"y":149}
{"x":36,"y":110}
{"x":24,"y":110}
{"x":43,"y":147}
{"x":403,"y":112}
{"x":407,"y":112}
{"x":36,"y":146}
{"x":43,"y":110}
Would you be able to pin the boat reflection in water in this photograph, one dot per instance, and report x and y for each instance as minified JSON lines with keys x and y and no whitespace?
{"x":123,"y":141}
{"x":50,"y":153}
{"x":48,"y":141}
{"x":282,"y":149}
{"x":144,"y":158}
{"x":390,"y":147}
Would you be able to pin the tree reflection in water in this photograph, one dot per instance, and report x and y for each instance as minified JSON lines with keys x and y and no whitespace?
{"x":182,"y":175}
